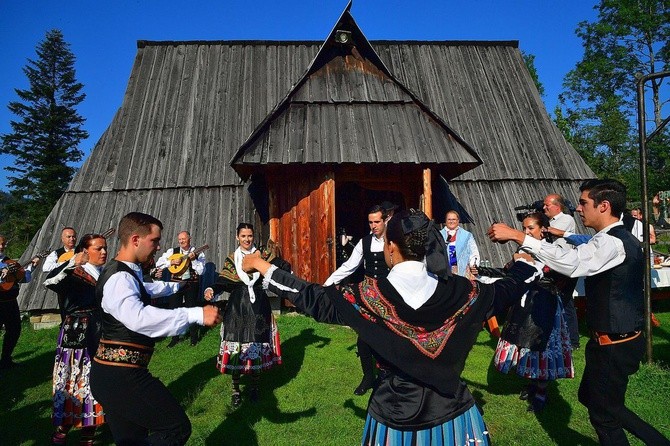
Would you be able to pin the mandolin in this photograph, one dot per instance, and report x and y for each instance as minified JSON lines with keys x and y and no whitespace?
{"x":66,"y":256}
{"x":185,"y":261}
{"x":15,"y":271}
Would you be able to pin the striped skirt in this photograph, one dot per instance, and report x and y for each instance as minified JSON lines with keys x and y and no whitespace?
{"x":249,"y":357}
{"x":73,"y":404}
{"x":467,"y":429}
{"x":552,"y":363}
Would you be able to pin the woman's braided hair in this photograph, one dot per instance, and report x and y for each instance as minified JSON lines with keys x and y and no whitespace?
{"x":409,"y":231}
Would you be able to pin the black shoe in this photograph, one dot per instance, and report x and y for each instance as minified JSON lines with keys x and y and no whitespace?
{"x":236,"y":399}
{"x":194,"y":343}
{"x":364,"y":386}
{"x":175,"y":340}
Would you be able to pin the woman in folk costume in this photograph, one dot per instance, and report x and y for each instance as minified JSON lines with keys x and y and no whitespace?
{"x":535,"y":339}
{"x":73,"y":404}
{"x":421,"y":326}
{"x":461,"y":245}
{"x":249,"y":335}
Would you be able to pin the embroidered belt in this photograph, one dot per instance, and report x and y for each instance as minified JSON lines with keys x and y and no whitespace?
{"x":614,"y":338}
{"x":123,"y":354}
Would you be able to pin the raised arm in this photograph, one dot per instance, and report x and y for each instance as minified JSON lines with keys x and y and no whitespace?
{"x":309,"y":297}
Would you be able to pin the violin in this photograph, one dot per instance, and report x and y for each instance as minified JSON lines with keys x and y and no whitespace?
{"x":66,"y":256}
{"x":15,"y":271}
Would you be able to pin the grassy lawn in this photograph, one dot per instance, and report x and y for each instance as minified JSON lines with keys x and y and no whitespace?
{"x":309,"y":399}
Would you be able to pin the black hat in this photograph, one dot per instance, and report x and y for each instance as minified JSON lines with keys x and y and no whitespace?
{"x":388,"y":206}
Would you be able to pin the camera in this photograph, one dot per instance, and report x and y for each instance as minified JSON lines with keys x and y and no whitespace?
{"x":536,"y":206}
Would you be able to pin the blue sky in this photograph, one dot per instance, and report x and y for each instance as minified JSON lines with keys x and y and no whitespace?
{"x":103,"y":36}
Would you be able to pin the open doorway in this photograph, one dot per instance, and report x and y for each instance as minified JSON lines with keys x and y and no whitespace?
{"x":352,"y":203}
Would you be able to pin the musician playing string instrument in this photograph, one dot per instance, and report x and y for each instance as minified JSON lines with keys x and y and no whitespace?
{"x":69,"y":238}
{"x":10,"y":316}
{"x":195,"y":265}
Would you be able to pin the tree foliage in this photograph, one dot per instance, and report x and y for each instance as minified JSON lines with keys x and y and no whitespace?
{"x":598,"y":109}
{"x":529,"y":60}
{"x":45,"y":137}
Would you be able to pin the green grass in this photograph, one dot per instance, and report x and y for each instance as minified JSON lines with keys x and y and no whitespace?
{"x":308,"y":400}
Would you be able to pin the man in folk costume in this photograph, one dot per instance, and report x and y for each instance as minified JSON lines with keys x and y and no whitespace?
{"x":370,"y":251}
{"x":10,"y":316}
{"x":613,"y":264}
{"x":68,"y":237}
{"x":188,"y":295}
{"x":138,"y":407}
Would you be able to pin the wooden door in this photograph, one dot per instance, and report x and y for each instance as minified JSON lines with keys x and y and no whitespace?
{"x":302,"y":220}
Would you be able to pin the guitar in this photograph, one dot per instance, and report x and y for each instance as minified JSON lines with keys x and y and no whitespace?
{"x":15,"y":271}
{"x":66,"y":256}
{"x":184,"y":260}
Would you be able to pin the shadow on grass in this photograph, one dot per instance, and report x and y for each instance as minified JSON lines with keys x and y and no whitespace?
{"x":238,"y":425}
{"x":554,"y":419}
{"x":30,"y":373}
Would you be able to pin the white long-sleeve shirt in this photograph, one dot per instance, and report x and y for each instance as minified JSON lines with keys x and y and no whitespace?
{"x":354,"y":261}
{"x":51,"y":261}
{"x":601,"y":253}
{"x":121,"y":299}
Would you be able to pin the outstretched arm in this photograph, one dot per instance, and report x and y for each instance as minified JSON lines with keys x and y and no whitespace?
{"x":309,"y":297}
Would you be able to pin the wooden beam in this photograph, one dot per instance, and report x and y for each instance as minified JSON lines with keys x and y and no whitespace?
{"x":427,"y":193}
{"x":274,"y":213}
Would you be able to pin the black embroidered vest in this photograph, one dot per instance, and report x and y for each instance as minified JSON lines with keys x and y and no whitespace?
{"x":112,"y":329}
{"x":375,"y":265}
{"x":615,"y":298}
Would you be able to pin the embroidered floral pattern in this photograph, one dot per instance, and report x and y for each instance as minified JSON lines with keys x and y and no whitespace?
{"x":124,"y":354}
{"x":430,"y":343}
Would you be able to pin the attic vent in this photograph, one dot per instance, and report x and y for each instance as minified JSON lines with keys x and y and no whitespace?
{"x":342,"y":37}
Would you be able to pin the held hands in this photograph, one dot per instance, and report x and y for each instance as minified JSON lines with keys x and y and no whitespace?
{"x":81,"y":258}
{"x":501,"y":233}
{"x":209,"y":294}
{"x":210,"y":316}
{"x":35,"y":261}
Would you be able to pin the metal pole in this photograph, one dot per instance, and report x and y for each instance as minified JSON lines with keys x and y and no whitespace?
{"x":642,"y":134}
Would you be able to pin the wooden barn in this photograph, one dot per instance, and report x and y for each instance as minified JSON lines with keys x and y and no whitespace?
{"x":302,"y":138}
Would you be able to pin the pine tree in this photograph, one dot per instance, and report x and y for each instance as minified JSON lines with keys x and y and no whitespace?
{"x":45,"y":138}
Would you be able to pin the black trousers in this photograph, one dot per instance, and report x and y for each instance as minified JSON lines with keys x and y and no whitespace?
{"x":367,"y":359}
{"x":139,"y":409}
{"x":603,"y":392}
{"x":10,"y":317}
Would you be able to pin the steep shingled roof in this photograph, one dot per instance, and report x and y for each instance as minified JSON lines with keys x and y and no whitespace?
{"x":190,"y":106}
{"x":347,"y":91}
